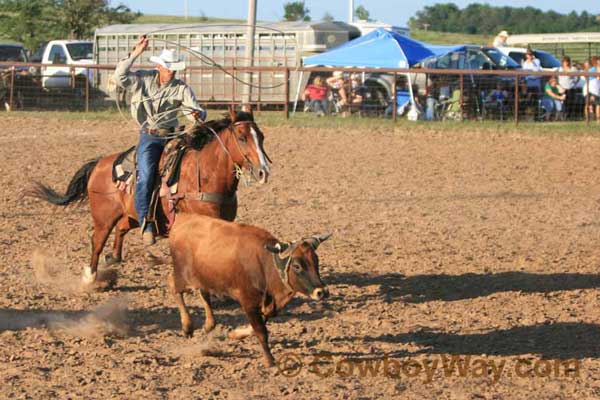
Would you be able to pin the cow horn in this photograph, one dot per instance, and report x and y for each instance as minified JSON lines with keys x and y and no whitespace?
{"x":316,"y":240}
{"x":277,"y":247}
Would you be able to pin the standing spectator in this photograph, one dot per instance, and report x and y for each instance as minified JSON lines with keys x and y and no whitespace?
{"x":358,"y":92}
{"x":594,"y":88}
{"x":530,"y":63}
{"x":500,"y":39}
{"x":316,"y":95}
{"x":568,"y":84}
{"x":553,"y":99}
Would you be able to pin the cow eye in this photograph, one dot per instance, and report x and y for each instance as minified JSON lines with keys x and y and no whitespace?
{"x":243,"y":139}
{"x":297,"y":268}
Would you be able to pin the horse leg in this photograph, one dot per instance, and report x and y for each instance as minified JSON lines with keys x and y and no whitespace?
{"x":121,"y":230}
{"x":187,"y":325}
{"x":209,"y":318}
{"x":101,"y":232}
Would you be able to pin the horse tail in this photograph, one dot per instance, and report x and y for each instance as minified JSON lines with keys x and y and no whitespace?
{"x":76,"y":191}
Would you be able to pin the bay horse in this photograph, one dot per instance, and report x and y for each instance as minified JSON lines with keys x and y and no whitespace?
{"x":207,"y":185}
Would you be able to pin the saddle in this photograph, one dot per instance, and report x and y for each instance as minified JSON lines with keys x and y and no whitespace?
{"x":124,"y":172}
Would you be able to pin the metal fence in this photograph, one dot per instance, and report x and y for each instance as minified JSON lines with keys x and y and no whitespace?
{"x":424,"y":94}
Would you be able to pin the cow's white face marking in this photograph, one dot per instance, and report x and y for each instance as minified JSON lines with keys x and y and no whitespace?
{"x":261,"y":156}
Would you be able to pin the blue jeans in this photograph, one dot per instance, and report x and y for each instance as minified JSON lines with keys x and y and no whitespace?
{"x":320,"y":106}
{"x":149,"y":150}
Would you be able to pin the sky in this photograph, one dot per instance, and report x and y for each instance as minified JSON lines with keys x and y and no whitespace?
{"x":396,"y":12}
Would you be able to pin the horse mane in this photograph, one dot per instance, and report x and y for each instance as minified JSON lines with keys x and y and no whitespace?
{"x":203,"y":134}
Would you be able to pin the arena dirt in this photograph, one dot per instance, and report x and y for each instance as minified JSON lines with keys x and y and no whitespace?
{"x":448,"y":248}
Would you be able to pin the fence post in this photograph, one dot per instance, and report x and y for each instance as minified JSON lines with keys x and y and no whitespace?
{"x":286,"y":106}
{"x":12,"y":88}
{"x":72,"y":70}
{"x":87,"y":92}
{"x":462,"y":90}
{"x":394,"y":102}
{"x":516,"y":100}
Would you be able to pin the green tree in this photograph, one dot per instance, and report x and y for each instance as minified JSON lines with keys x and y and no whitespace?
{"x":26,"y":21}
{"x":32,"y":22}
{"x":362,"y":13}
{"x":81,"y":17}
{"x":296,"y":11}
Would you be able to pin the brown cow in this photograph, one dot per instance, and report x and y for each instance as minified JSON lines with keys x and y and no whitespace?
{"x":245,"y":263}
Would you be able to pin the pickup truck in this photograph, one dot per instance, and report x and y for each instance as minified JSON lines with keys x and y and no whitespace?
{"x":77,"y":53}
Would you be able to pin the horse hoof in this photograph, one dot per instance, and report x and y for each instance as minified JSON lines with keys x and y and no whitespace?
{"x":110,"y":260}
{"x":105,"y":280}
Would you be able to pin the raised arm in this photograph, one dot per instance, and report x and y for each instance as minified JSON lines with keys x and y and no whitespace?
{"x":123,"y":76}
{"x":189,"y":100}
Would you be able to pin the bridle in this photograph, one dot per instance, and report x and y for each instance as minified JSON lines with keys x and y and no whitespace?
{"x":247,"y":162}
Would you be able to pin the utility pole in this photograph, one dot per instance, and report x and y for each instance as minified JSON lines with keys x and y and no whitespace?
{"x":351,"y":12}
{"x":249,"y":50}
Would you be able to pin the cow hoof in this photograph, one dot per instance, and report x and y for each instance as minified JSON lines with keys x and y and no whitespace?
{"x":269,"y":362}
{"x":188,"y":331}
{"x":110,"y":260}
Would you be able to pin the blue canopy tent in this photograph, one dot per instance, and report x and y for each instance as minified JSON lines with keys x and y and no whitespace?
{"x":378,"y":49}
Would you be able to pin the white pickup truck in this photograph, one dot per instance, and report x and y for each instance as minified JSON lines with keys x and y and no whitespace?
{"x":76,"y":53}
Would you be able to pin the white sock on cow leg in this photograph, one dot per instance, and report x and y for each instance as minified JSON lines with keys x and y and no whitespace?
{"x":241,"y":333}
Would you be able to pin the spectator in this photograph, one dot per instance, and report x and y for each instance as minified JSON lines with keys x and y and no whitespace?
{"x":402,"y":99}
{"x":553,"y":99}
{"x":594,"y":88}
{"x":500,"y":39}
{"x":568,"y":84}
{"x":530,"y":63}
{"x":317,"y":97}
{"x":497,"y":100}
{"x":340,"y":88}
{"x":358,"y":92}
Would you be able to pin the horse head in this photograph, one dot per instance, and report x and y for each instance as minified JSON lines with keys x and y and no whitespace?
{"x":246,"y":148}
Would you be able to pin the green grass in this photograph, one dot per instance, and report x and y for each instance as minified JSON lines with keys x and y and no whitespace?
{"x":368,"y":125}
{"x":174,"y":19}
{"x":450,"y":38}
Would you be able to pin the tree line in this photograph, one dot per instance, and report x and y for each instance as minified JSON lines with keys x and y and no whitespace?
{"x":486,"y":19}
{"x":33,"y":22}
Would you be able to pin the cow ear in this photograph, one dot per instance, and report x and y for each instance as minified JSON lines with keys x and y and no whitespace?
{"x":316,"y":240}
{"x":232,"y":113}
{"x":277,"y":247}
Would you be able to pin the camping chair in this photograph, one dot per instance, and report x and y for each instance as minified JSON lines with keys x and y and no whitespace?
{"x":450,"y":109}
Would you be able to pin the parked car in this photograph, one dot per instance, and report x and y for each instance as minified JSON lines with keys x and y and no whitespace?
{"x":9,"y":53}
{"x":547,"y":61}
{"x":57,"y":56}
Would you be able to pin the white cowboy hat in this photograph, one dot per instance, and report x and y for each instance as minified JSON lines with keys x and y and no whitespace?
{"x":503,"y":33}
{"x":169,"y":60}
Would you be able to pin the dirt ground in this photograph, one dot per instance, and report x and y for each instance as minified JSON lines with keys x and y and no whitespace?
{"x":463,"y":265}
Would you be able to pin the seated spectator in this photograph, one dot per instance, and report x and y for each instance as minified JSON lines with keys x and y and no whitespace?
{"x":316,"y":95}
{"x":402,"y":99}
{"x":340,"y":89}
{"x":500,"y":39}
{"x":568,"y":85}
{"x":530,"y":63}
{"x":497,"y":100}
{"x":358,"y":92}
{"x":553,"y":100}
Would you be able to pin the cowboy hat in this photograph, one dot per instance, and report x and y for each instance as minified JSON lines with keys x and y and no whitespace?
{"x":503,"y":33}
{"x":169,"y":60}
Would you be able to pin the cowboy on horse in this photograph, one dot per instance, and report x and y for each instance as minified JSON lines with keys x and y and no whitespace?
{"x":156,"y":99}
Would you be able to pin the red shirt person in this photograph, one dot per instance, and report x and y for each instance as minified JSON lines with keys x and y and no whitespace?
{"x":317,"y":95}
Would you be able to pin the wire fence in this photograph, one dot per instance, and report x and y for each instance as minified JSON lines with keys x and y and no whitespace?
{"x":416,"y":94}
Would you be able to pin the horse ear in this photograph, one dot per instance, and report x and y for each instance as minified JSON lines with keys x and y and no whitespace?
{"x":277,"y":247}
{"x":316,"y":240}
{"x":232,"y":113}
